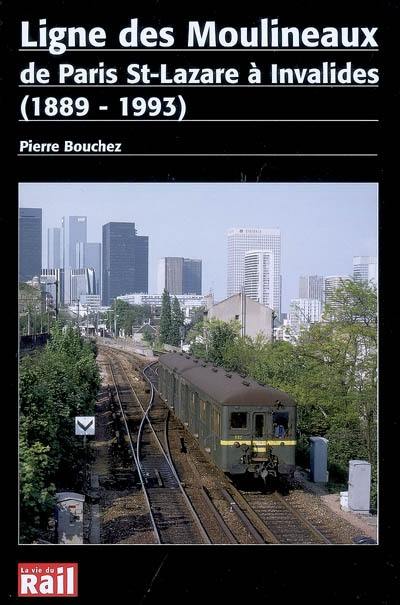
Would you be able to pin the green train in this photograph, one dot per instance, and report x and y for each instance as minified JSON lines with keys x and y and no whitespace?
{"x":246,"y":427}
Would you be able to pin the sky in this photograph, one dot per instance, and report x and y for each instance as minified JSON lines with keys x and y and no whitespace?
{"x":323,"y":225}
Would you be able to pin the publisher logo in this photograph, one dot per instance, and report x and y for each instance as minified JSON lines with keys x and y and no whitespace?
{"x":47,"y":579}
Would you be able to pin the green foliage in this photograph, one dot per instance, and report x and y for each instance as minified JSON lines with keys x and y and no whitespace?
{"x":177,"y":323}
{"x":166,"y":317}
{"x":59,"y":383}
{"x":171,"y":321}
{"x":214,"y":340}
{"x":124,"y":316}
{"x":149,"y":335}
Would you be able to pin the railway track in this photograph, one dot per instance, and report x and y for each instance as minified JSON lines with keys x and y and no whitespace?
{"x":284,"y":522}
{"x":172,"y":517}
{"x":280,"y":523}
{"x":267,"y":518}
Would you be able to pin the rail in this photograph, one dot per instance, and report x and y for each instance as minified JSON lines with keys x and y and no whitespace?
{"x":176,"y":483}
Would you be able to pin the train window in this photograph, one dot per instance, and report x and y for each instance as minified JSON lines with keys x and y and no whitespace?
{"x":238,"y":420}
{"x":259,"y":425}
{"x":280,"y":424}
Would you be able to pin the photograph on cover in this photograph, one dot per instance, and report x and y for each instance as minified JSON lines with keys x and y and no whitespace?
{"x":198,"y":363}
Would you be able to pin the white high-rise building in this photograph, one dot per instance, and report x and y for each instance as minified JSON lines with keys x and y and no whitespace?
{"x":78,"y":282}
{"x":303,"y":312}
{"x":365,"y":269}
{"x":259,"y":276}
{"x":242,"y":240}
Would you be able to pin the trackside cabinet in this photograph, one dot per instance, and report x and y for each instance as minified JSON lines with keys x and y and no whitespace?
{"x":70,"y":517}
{"x":359,"y":486}
{"x":318,"y":459}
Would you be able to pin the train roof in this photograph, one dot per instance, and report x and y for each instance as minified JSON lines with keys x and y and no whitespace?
{"x":221,"y":385}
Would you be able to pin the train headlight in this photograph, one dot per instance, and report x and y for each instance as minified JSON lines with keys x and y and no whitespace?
{"x":236,"y":444}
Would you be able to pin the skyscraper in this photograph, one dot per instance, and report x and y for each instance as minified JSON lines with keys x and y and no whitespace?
{"x":179,"y":275}
{"x":259,"y":276}
{"x":311,"y":286}
{"x":54,"y":248}
{"x":365,"y":269}
{"x":77,"y":283}
{"x":30,"y":243}
{"x":242,"y":240}
{"x":192,"y":276}
{"x":141,"y":264}
{"x":74,"y":229}
{"x":125,"y":261}
{"x":89,"y":256}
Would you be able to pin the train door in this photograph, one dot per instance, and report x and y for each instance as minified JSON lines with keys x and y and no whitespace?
{"x":258,"y":426}
{"x":259,"y":434}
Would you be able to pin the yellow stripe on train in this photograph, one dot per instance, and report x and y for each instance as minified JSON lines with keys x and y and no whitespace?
{"x":259,"y":445}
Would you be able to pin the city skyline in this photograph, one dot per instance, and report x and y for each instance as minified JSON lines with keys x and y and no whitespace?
{"x":322,"y":225}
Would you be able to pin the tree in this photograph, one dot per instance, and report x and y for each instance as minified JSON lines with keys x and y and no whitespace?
{"x":165,"y":318}
{"x":177,"y":323}
{"x":125,"y":316}
{"x":149,"y":335}
{"x":213,"y":339}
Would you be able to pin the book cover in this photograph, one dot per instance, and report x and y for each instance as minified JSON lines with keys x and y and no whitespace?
{"x":197,"y":233}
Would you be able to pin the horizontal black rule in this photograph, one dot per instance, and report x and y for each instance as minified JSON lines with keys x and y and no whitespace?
{"x":199,"y":169}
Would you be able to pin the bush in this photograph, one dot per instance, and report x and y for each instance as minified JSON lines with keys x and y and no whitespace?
{"x":59,"y":383}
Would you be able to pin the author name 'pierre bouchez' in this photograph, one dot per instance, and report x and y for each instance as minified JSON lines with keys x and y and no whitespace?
{"x":30,"y":146}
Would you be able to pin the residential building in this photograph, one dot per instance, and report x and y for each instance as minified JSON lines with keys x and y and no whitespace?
{"x":254,"y":318}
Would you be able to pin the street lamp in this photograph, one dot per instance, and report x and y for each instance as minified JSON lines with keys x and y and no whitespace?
{"x":273,"y":317}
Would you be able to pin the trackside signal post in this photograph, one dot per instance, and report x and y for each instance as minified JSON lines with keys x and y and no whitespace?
{"x":85,"y":425}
